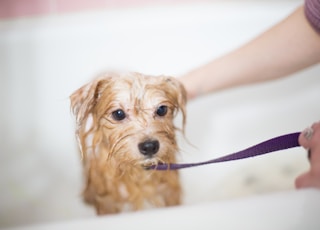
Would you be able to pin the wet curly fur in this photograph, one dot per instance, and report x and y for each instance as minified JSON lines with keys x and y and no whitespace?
{"x":125,"y":123}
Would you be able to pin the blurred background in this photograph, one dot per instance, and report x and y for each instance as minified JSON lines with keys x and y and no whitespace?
{"x":49,"y":48}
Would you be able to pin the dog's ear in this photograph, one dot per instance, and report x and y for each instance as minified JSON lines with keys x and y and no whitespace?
{"x":85,"y":98}
{"x":179,"y":96}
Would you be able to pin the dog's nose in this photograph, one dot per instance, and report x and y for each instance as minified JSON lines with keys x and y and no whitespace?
{"x":149,"y":148}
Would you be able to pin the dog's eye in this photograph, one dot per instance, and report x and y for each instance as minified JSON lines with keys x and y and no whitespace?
{"x":119,"y":115}
{"x":162,"y":110}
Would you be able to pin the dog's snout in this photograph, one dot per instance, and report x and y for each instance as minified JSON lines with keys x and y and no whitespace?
{"x":149,"y":147}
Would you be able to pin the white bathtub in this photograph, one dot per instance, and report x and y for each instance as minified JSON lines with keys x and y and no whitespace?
{"x":44,"y":59}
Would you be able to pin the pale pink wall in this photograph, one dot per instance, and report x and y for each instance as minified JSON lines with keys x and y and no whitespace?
{"x":24,"y":8}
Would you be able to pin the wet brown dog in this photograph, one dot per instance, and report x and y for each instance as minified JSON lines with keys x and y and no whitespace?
{"x":124,"y":124}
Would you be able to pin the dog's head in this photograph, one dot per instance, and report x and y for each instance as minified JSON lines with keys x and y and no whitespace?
{"x":129,"y":118}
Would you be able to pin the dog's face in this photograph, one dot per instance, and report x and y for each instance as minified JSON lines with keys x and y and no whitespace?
{"x":129,"y":118}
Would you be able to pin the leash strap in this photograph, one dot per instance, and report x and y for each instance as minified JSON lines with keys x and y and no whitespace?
{"x":275,"y":144}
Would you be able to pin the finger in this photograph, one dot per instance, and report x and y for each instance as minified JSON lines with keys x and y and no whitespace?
{"x":315,"y":125}
{"x":313,"y":153}
{"x":305,"y":137}
{"x":307,"y":180}
{"x":302,"y":181}
{"x":316,"y":133}
{"x":309,"y":155}
{"x":314,"y":144}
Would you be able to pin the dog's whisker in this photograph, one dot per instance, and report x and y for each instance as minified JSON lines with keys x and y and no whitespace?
{"x":119,"y":141}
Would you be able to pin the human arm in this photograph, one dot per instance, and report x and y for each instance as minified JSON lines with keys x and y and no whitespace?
{"x":287,"y":47}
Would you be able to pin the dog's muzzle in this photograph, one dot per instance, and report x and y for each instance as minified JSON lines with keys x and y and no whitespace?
{"x":149,"y":147}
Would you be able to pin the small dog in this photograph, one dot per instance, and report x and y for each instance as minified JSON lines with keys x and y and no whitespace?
{"x":125,"y":124}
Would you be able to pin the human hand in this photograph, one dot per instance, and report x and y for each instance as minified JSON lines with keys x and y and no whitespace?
{"x":310,"y":140}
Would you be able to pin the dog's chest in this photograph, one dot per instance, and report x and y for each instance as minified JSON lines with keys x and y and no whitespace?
{"x":145,"y":193}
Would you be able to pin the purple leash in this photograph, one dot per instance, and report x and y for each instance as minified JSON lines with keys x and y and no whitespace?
{"x":275,"y":144}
